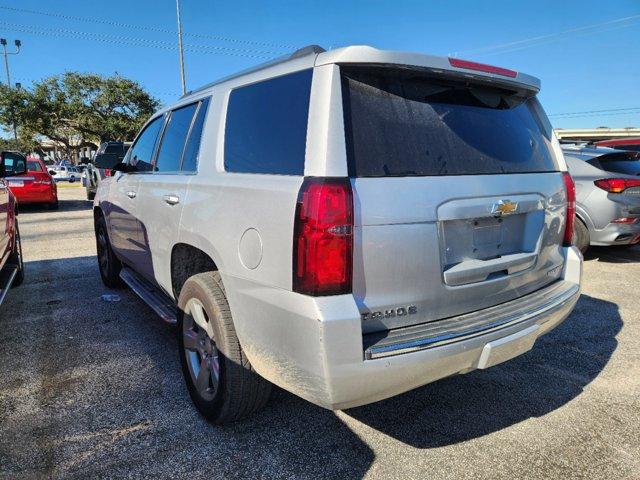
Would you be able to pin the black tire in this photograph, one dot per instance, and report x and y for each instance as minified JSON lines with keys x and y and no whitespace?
{"x":238,"y":391}
{"x":90,"y":195}
{"x":17,"y":260}
{"x":72,"y":179}
{"x":581,"y":236}
{"x":54,"y":206}
{"x":108,"y":263}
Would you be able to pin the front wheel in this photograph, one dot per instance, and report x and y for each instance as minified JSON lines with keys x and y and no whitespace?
{"x":219,"y":377}
{"x":108,"y":263}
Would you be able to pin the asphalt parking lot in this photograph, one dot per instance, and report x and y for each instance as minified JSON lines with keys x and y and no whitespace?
{"x":90,"y":388}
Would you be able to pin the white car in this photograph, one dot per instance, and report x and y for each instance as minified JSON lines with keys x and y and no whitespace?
{"x":63,"y":173}
{"x":348,"y":225}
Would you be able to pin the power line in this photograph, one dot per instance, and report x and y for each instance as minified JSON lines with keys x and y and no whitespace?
{"x":147,"y":28}
{"x":534,"y":41}
{"x":593,"y":111}
{"x":143,"y":42}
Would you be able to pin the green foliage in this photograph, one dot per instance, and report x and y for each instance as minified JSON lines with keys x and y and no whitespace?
{"x":76,"y":109}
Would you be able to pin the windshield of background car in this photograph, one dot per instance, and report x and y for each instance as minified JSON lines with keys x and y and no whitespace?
{"x":402,"y":122}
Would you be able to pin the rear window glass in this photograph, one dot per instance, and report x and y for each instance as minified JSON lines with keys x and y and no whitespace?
{"x":400,"y":122}
{"x":266,"y":128}
{"x":34,"y":166}
{"x":627,"y":162}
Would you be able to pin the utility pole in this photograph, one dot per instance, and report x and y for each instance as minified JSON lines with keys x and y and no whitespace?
{"x":18,"y":44}
{"x":180,"y":49}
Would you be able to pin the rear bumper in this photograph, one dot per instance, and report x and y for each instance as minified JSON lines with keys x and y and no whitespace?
{"x":314,"y":347}
{"x":45,"y":194}
{"x":615,"y":234}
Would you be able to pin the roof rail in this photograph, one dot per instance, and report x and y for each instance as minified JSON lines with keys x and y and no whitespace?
{"x":301,"y":52}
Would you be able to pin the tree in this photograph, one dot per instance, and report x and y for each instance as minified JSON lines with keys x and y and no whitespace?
{"x":77,"y":110}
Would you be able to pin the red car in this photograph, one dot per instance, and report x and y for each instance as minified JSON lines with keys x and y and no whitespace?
{"x":621,"y":144}
{"x":34,"y":186}
{"x":11,"y":265}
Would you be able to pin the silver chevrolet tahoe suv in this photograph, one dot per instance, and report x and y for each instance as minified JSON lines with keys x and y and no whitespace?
{"x":346,"y":224}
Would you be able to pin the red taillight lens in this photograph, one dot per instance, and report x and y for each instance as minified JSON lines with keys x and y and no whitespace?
{"x":616,"y":185}
{"x":481,"y":67}
{"x":323,"y":237}
{"x":107,"y":172}
{"x":570,"y":188}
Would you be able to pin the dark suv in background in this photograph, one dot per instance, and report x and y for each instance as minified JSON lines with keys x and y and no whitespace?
{"x":93,"y":175}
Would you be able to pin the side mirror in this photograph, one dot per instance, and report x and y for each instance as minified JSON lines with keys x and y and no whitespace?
{"x":122,"y":167}
{"x":12,"y":164}
{"x":106,"y":160}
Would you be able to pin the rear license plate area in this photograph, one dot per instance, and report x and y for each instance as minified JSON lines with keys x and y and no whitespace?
{"x":485,"y":238}
{"x":16,"y":183}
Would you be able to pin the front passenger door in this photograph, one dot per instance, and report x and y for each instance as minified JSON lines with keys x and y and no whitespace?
{"x":122,"y":211}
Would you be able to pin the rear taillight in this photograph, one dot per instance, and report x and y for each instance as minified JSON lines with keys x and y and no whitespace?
{"x":570,"y":188}
{"x":481,"y":67}
{"x":323,"y":237}
{"x":107,"y":172}
{"x":624,"y":220}
{"x":616,"y":185}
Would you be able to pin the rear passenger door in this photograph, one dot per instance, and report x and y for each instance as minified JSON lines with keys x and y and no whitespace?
{"x":162,"y":194}
{"x":124,"y":198}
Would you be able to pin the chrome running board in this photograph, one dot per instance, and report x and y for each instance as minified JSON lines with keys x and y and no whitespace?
{"x":152,"y":296}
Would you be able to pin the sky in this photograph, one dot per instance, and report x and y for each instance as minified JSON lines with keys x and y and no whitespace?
{"x":585,"y":52}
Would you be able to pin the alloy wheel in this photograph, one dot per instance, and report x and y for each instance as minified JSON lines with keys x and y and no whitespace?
{"x":200,"y":350}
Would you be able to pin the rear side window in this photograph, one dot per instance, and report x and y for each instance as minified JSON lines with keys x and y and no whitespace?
{"x":266,"y":127}
{"x":142,"y":151}
{"x":404,"y":123}
{"x":192,"y":150}
{"x":174,"y":138}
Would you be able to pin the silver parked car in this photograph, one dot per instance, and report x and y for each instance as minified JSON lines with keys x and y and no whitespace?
{"x":348,"y":225}
{"x":607,"y":195}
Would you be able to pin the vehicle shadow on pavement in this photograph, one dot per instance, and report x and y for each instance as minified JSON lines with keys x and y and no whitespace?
{"x":96,"y":390}
{"x":64,"y":205}
{"x":613,"y":254}
{"x":465,"y":407}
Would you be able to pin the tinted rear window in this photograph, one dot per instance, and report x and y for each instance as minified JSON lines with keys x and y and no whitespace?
{"x":34,"y":166}
{"x":404,"y":123}
{"x":266,"y":128}
{"x":627,"y":162}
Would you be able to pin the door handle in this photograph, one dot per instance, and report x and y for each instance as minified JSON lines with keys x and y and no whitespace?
{"x":172,"y":199}
{"x":131,"y":194}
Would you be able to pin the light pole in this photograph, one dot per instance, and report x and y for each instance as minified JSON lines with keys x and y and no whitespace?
{"x":18,"y":44}
{"x":180,"y":50}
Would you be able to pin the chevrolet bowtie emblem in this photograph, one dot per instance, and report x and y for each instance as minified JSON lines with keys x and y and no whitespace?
{"x":504,"y":207}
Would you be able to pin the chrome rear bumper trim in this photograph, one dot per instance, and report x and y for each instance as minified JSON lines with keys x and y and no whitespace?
{"x":541,"y":303}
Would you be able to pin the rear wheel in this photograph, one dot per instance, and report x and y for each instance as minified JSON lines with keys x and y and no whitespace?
{"x":108,"y":263}
{"x":581,"y":236}
{"x":17,"y":260}
{"x":72,"y":179}
{"x":219,"y":377}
